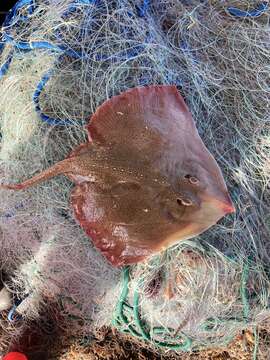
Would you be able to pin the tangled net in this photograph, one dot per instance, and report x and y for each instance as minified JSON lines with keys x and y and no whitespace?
{"x":60,"y":60}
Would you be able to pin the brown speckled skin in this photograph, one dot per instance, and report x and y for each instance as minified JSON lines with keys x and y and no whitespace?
{"x":145,"y":180}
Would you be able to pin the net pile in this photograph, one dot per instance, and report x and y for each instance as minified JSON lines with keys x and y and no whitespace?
{"x":60,"y":60}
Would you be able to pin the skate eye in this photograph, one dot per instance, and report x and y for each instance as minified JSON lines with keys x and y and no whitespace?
{"x":184,"y":202}
{"x":192,"y":179}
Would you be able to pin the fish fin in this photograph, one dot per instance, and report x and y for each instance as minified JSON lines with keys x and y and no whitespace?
{"x":123,"y":115}
{"x":111,"y":233}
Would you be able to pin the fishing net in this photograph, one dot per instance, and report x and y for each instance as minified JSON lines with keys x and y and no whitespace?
{"x":60,"y":60}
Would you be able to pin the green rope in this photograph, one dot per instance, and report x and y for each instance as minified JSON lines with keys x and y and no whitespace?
{"x":256,"y":344}
{"x":243,"y":291}
{"x":128,"y":318}
{"x":126,"y":315}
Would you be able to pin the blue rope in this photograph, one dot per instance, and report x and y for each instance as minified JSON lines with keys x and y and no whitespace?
{"x":61,"y":49}
{"x":38,"y":45}
{"x":46,"y":77}
{"x":7,"y":23}
{"x":12,"y":315}
{"x":143,"y":9}
{"x":14,"y":10}
{"x":4,"y":67}
{"x":31,"y":45}
{"x":261,"y":9}
{"x":50,"y":121}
